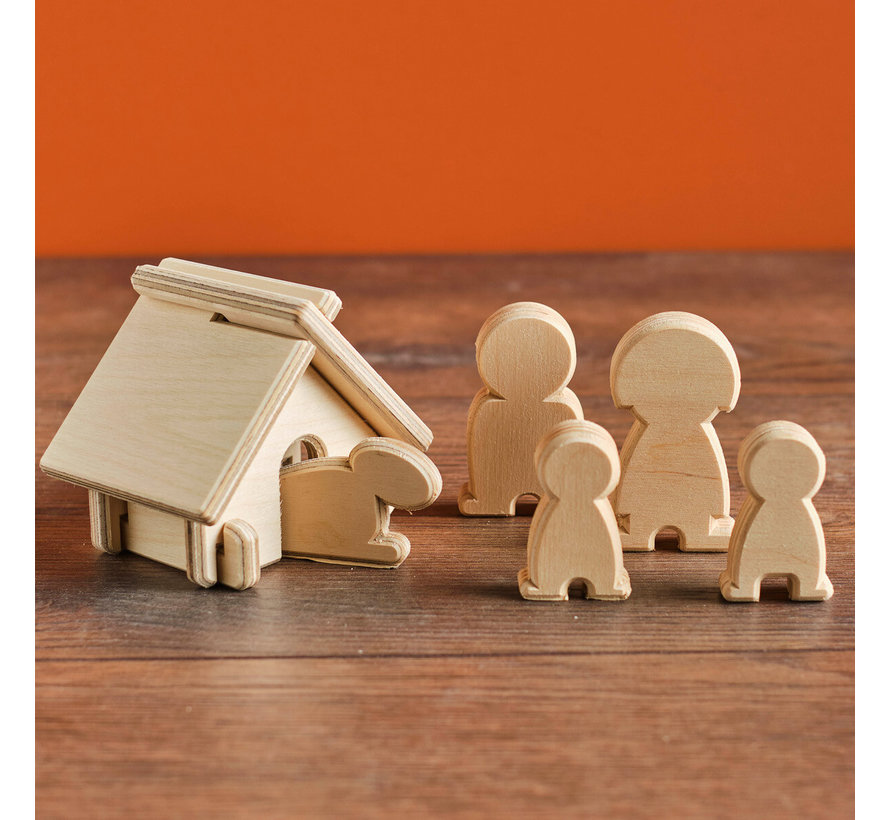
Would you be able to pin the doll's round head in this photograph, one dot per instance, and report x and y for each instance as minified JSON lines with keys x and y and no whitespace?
{"x":525,"y":350}
{"x":578,"y":457}
{"x":675,"y":363}
{"x":780,"y":459}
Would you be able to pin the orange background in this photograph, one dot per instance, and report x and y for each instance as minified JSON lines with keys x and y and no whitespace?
{"x":205,"y":127}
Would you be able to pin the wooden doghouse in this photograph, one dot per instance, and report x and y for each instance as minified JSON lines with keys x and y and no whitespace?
{"x":215,"y":380}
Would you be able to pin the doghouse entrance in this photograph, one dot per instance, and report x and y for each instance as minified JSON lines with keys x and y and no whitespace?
{"x":303,"y":449}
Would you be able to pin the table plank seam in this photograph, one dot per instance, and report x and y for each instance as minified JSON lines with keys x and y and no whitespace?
{"x":453,"y":655}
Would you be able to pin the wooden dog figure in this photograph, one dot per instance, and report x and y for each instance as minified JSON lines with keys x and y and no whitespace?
{"x":573,"y":533}
{"x":675,"y":371}
{"x":526,"y":355}
{"x":337,"y":510}
{"x":778,"y":532}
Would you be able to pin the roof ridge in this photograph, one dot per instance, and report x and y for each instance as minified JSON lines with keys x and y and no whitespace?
{"x":242,"y":292}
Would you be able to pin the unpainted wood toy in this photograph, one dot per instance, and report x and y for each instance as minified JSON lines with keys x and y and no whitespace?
{"x":214,"y":381}
{"x":573,"y":534}
{"x":675,"y":371}
{"x":778,"y":533}
{"x":525,"y":353}
{"x":338,"y":509}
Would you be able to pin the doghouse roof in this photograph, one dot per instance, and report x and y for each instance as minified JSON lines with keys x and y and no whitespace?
{"x":194,"y":380}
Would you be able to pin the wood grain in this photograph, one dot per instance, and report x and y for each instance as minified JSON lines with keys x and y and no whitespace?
{"x":435,"y":689}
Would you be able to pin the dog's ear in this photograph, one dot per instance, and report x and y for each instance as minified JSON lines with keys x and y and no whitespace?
{"x":398,"y":474}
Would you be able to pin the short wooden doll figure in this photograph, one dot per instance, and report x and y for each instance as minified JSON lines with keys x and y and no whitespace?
{"x":778,"y":532}
{"x":526,"y":355}
{"x":675,"y":371}
{"x":338,"y":510}
{"x":573,"y":534}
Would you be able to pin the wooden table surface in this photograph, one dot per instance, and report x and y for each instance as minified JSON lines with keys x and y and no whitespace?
{"x":435,"y":689}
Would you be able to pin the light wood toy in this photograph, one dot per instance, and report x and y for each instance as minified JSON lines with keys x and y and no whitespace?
{"x":778,"y":533}
{"x":378,"y":475}
{"x":526,"y":355}
{"x":215,"y":380}
{"x":573,"y":534}
{"x":675,"y":371}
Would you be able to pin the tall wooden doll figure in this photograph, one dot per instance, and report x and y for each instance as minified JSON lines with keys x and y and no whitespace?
{"x":526,"y":355}
{"x":675,"y":371}
{"x":778,"y":532}
{"x":573,"y":535}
